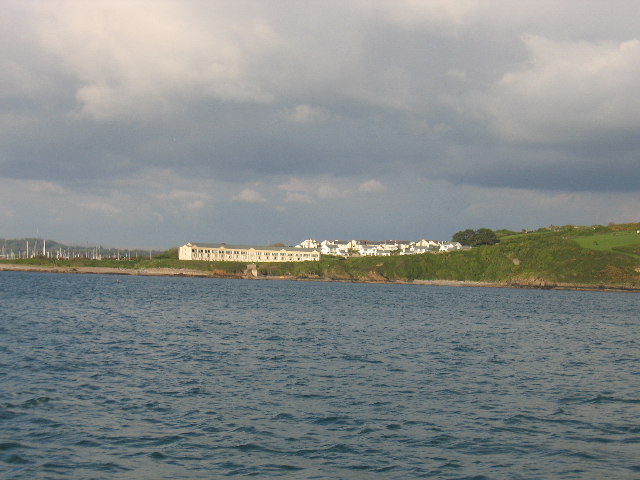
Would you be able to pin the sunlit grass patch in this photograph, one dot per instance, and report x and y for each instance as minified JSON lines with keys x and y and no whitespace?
{"x":627,"y":243}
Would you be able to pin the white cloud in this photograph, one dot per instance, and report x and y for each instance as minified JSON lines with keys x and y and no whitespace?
{"x":457,"y":74}
{"x":6,"y":212}
{"x":326,"y":189}
{"x":371,"y":186}
{"x":249,"y":195}
{"x":167,"y":191}
{"x":186,"y":200}
{"x":132,"y":61}
{"x":307,"y":114}
{"x":310,"y":190}
{"x":568,"y":92}
{"x":440,"y":14}
{"x":39,"y":186}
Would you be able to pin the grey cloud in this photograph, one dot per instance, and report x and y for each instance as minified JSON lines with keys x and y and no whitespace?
{"x":606,"y":169}
{"x":569,"y":90}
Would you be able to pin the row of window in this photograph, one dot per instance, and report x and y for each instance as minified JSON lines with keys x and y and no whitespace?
{"x":234,"y":254}
{"x":239,"y":252}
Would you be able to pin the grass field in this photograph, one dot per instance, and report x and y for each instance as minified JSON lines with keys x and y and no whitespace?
{"x":627,"y":243}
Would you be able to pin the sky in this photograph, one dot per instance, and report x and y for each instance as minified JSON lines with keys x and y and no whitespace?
{"x":153,"y":123}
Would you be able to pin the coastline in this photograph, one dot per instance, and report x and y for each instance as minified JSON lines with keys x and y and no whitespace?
{"x":183,"y":272}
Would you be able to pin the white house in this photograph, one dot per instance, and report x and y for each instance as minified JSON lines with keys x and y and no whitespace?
{"x":310,"y":243}
{"x":427,"y":243}
{"x":369,"y":250}
{"x":449,"y":246}
{"x":333,"y":249}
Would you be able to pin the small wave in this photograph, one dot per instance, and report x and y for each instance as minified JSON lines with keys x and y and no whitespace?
{"x":166,"y":440}
{"x":253,"y":447}
{"x":157,"y":456}
{"x":16,"y":460}
{"x":574,"y":453}
{"x":360,"y":467}
{"x":87,"y":443}
{"x":10,"y":446}
{"x":339,"y":448}
{"x":105,"y":467}
{"x":464,"y":348}
{"x":284,"y":416}
{"x":518,"y":419}
{"x":365,"y":431}
{"x":284,"y":467}
{"x":359,"y":358}
{"x":598,"y":399}
{"x":439,"y":440}
{"x":333,"y":420}
{"x":31,"y":403}
{"x":6,"y":414}
{"x":386,"y":468}
{"x":253,"y":431}
{"x":607,"y":399}
{"x":146,"y":441}
{"x":312,"y":395}
{"x":198,"y":391}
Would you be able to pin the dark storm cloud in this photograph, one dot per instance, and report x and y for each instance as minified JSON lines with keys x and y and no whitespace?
{"x":605,"y":175}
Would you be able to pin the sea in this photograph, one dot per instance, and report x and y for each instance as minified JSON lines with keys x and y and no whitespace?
{"x":133,"y":377}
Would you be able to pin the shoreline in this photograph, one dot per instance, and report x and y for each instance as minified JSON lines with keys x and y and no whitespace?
{"x":180,"y":272}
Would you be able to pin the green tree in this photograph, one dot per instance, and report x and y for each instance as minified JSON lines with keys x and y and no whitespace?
{"x":465,"y":237}
{"x":475,"y":238}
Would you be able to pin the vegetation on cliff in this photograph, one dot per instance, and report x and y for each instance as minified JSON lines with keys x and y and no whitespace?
{"x":588,"y":256}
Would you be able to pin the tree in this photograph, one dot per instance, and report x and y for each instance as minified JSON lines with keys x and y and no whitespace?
{"x":475,"y":238}
{"x":465,"y":237}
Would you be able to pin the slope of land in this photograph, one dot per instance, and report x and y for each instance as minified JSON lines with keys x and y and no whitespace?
{"x":561,"y":257}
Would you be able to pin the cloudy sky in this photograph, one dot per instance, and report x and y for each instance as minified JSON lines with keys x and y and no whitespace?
{"x":152,"y":123}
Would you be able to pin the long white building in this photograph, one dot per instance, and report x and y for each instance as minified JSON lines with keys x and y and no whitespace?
{"x":221,"y":252}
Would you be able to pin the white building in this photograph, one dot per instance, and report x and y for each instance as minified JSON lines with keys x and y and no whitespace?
{"x":221,"y":252}
{"x":449,"y":246}
{"x":310,"y":243}
{"x":333,"y":249}
{"x":369,"y":248}
{"x":427,"y":243}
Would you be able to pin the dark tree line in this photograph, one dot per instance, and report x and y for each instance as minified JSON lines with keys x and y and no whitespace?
{"x":475,"y":238}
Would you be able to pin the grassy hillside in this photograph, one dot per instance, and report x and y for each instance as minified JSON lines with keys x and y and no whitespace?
{"x":542,"y":258}
{"x":587,"y":256}
{"x":627,"y":243}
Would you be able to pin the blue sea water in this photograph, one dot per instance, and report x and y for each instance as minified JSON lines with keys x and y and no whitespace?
{"x":155,"y":378}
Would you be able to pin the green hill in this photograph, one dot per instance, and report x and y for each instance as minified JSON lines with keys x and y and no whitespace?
{"x":545,"y":258}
